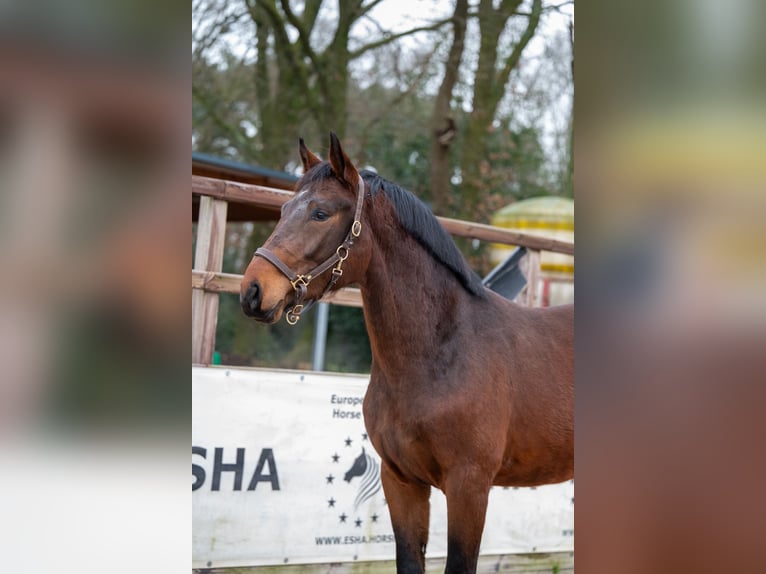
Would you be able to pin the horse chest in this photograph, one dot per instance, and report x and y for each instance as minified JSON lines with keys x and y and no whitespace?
{"x":401,"y":437}
{"x":408,"y":455}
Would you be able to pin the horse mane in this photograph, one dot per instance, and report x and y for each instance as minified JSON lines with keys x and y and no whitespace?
{"x":417,"y":219}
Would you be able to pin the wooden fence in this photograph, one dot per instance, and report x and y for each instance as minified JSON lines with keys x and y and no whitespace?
{"x":208,"y":280}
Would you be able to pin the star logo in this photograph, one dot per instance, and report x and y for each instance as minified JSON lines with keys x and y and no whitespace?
{"x":351,"y":497}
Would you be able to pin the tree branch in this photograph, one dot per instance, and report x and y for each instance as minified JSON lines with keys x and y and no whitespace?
{"x":558,"y":7}
{"x":370,"y":6}
{"x":508,"y":7}
{"x":303,"y":34}
{"x":396,"y":100}
{"x":452,"y":65}
{"x":235,"y":136}
{"x":310,"y":12}
{"x":209,"y":30}
{"x":285,"y":49}
{"x":375,"y":23}
{"x":348,"y":11}
{"x":513,"y":59}
{"x":283,"y":46}
{"x":393,"y":37}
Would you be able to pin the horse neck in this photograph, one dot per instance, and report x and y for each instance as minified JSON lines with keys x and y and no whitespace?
{"x":411,"y":301}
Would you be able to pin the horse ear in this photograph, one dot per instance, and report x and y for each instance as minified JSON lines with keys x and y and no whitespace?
{"x":309,"y":159}
{"x":341,"y":165}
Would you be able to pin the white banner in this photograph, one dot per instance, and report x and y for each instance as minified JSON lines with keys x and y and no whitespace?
{"x":283,"y":473}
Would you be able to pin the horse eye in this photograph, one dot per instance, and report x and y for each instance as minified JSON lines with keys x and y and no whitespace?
{"x":319,"y":215}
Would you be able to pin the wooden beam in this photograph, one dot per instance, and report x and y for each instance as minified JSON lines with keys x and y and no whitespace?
{"x":349,"y":297}
{"x":229,"y":283}
{"x":216,"y":282}
{"x":240,"y":192}
{"x":211,"y":235}
{"x":504,"y":236}
{"x":269,"y":197}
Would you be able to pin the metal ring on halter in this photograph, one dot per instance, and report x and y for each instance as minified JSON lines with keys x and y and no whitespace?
{"x":292,"y":319}
{"x":356,"y":228}
{"x":344,"y":256}
{"x":294,"y":314}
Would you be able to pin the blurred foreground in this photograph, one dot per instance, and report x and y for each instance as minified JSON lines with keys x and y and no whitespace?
{"x":671,"y":273}
{"x":94,"y":398}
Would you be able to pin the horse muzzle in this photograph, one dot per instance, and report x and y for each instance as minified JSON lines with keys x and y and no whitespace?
{"x":251,"y":300}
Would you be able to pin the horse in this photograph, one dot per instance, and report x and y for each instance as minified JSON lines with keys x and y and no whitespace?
{"x":467,"y":389}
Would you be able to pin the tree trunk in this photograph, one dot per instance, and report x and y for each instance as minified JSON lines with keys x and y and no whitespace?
{"x":443,"y":128}
{"x":569,"y":185}
{"x":489,"y":87}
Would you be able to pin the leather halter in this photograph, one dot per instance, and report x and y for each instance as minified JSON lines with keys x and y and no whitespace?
{"x":300,"y":282}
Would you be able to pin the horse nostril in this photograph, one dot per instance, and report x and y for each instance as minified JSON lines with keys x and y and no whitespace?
{"x":251,"y":302}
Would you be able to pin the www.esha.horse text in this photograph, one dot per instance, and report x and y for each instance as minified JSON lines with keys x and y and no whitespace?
{"x":338,"y":413}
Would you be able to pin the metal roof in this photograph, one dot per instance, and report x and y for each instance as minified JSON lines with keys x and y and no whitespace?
{"x":239,"y":171}
{"x":211,"y":166}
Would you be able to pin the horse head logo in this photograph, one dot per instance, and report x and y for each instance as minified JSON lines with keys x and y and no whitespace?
{"x":367,"y":468}
{"x":358,"y":468}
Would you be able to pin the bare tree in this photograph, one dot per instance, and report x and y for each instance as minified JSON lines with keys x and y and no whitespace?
{"x":295,"y":79}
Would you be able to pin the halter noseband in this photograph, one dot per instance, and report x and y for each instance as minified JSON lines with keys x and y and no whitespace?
{"x":300,"y":282}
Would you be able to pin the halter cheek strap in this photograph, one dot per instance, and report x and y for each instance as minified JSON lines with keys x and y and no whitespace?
{"x":300,"y":282}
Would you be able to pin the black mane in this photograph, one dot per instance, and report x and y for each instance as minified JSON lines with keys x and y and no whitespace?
{"x":417,"y":219}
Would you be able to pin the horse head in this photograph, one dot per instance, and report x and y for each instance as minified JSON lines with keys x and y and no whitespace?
{"x":319,"y":229}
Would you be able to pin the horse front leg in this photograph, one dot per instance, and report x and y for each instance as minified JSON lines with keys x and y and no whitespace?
{"x":467,"y":494}
{"x":409,"y":508}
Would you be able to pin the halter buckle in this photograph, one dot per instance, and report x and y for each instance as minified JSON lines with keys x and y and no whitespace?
{"x":304,"y":279}
{"x":356,"y":228}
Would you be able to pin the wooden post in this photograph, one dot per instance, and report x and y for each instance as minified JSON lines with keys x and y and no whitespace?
{"x":533,"y":275}
{"x":208,"y":256}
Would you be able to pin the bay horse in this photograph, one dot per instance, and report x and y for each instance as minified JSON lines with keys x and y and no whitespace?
{"x":467,"y":389}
